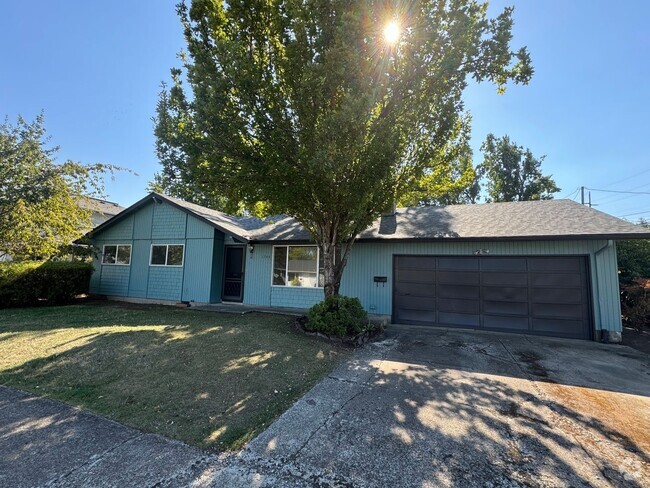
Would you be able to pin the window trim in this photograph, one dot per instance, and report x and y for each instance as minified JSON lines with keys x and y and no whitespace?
{"x":286,"y":266}
{"x":166,"y":256}
{"x":117,"y":248}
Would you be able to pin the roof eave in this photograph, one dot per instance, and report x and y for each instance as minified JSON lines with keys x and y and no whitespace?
{"x":570,"y":237}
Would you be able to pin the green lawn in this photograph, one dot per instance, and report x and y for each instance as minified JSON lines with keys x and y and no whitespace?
{"x":212,"y":380}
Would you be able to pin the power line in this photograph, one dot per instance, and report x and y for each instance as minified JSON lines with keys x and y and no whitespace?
{"x":627,"y":178}
{"x":572,"y":195}
{"x":635,"y":213}
{"x":620,"y":191}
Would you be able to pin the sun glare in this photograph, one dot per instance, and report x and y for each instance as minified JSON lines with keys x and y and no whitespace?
{"x":391,"y":32}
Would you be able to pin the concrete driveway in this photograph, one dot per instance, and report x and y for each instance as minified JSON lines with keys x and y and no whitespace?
{"x":435,"y":407}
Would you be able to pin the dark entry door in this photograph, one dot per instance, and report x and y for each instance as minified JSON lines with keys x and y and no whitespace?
{"x":233,"y":274}
{"x":534,"y":295}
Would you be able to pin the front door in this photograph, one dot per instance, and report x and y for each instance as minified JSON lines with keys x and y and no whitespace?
{"x":233,"y":274}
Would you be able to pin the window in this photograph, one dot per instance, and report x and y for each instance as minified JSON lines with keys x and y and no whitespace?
{"x":297,"y":266}
{"x":119,"y":254}
{"x":167,"y":254}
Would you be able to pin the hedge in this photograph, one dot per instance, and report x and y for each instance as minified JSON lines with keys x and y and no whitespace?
{"x":29,"y":283}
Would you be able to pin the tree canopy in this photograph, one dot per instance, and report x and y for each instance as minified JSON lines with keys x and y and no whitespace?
{"x":512,"y":173}
{"x":39,"y":199}
{"x":311,"y":108}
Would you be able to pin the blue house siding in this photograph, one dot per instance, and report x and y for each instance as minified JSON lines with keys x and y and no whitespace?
{"x":368,"y":260}
{"x":159,"y":223}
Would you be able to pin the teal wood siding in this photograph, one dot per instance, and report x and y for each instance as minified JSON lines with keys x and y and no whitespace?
{"x":158,"y":224}
{"x":198,"y":271}
{"x":368,"y":260}
{"x":217,"y":267}
{"x":257,"y":280}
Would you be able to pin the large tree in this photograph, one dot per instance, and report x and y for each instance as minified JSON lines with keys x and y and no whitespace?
{"x":512,"y":173}
{"x":40,"y":200}
{"x":326,"y":110}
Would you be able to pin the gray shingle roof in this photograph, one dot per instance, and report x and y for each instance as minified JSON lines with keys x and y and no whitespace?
{"x":239,"y":226}
{"x":100,"y":206}
{"x":548,"y":219}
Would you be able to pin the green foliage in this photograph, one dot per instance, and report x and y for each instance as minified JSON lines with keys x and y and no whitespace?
{"x":635,"y":306}
{"x":451,"y":179}
{"x":305,"y":106}
{"x":30,"y":283}
{"x":39,"y":199}
{"x":338,"y":316}
{"x":512,"y":173}
{"x":634,"y":257}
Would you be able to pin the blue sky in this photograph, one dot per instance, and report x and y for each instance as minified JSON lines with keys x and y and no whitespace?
{"x":95,"y":68}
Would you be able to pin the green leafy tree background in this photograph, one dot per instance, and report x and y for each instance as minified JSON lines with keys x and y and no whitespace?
{"x":40,"y":208}
{"x":306,"y":107}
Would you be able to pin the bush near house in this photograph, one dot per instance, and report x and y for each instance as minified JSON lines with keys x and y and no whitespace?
{"x":635,"y":303}
{"x":29,"y":283}
{"x":337,"y":316}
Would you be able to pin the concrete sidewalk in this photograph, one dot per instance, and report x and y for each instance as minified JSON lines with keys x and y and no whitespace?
{"x":48,"y":443}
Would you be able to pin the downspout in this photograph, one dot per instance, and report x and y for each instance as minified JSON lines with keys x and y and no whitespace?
{"x":605,"y":335}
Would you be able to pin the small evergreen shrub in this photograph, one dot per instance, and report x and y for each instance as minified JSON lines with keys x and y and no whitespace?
{"x":338,"y":316}
{"x":28,"y":283}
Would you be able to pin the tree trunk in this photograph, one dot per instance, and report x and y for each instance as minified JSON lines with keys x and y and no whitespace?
{"x":332,"y":279}
{"x":335,"y":258}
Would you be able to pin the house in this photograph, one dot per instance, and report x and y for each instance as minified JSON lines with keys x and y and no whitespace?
{"x":543,"y":267}
{"x":101,"y":210}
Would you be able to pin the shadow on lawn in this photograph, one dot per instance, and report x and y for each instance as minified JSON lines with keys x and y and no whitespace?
{"x":214,"y":384}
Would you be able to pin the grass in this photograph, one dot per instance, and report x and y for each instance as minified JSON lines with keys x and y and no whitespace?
{"x":212,"y":380}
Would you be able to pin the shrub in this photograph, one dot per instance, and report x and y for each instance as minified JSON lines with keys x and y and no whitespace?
{"x":27,"y":283}
{"x":337,"y":316}
{"x":635,"y":306}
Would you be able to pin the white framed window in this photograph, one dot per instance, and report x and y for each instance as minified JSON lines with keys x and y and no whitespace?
{"x":116,"y":254}
{"x":298,"y":266}
{"x":167,"y":255}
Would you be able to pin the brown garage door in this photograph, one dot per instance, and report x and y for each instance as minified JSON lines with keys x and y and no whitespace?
{"x":534,"y":295}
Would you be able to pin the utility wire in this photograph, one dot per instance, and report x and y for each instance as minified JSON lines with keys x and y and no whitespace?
{"x":635,"y":213}
{"x":620,"y":191}
{"x":627,"y":178}
{"x":571,"y":195}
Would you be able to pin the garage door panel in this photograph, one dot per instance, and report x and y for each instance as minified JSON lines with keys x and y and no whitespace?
{"x":420,"y":316}
{"x":557,"y":310}
{"x":415,"y":289}
{"x":416,"y":276}
{"x":516,"y":324}
{"x":528,"y":294}
{"x":461,"y":263}
{"x":508,"y":308}
{"x":558,"y":295}
{"x":458,"y":277}
{"x":568,"y":264}
{"x":505,"y":293}
{"x":459,"y":291}
{"x":417,"y":262}
{"x":558,"y":327}
{"x":504,"y":264}
{"x":417,"y":303}
{"x":455,"y":305}
{"x":458,"y":319}
{"x":556,"y":280}
{"x":504,"y":279}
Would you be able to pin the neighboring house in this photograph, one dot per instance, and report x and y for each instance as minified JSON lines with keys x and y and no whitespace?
{"x":544,"y":267}
{"x":102,"y":210}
